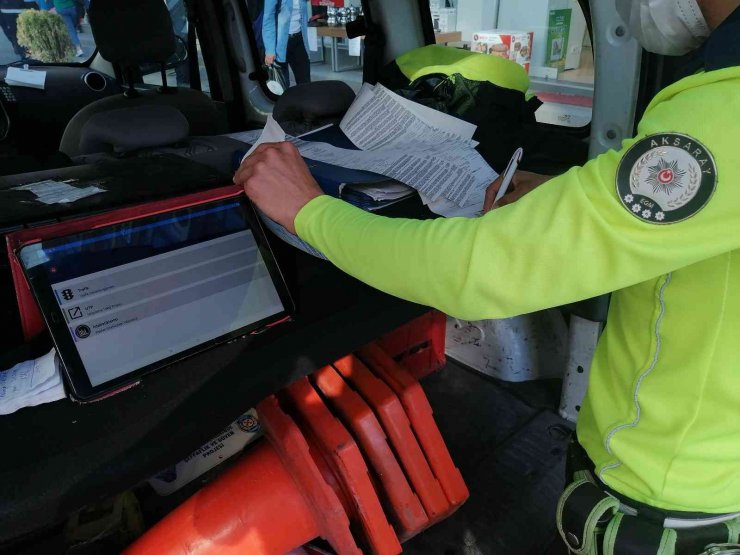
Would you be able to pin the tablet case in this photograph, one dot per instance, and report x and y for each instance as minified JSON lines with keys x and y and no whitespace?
{"x":32,"y":322}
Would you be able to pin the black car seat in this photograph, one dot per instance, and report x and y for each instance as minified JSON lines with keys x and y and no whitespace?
{"x":152,"y":131}
{"x":129,"y":34}
{"x":147,"y":131}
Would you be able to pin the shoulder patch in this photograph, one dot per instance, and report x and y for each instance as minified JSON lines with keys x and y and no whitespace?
{"x":666,"y":178}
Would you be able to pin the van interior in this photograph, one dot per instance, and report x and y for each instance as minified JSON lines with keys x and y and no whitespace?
{"x":159,"y":105}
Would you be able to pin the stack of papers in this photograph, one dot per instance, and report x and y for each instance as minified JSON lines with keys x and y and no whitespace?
{"x":379,"y":119}
{"x":364,"y":189}
{"x":31,"y":383}
{"x":384,"y":134}
{"x":428,"y":150}
{"x":24,"y":77}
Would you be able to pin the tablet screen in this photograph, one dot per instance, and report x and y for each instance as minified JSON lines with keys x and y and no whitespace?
{"x":136,"y":293}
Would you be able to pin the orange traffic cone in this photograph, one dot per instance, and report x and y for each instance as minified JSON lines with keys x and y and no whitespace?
{"x":273,"y":500}
{"x":237,"y":514}
{"x":343,"y":447}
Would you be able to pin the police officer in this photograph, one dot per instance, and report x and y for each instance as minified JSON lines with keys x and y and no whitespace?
{"x":658,"y":224}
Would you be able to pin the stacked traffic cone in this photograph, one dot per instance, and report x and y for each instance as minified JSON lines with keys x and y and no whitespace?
{"x":354,"y":456}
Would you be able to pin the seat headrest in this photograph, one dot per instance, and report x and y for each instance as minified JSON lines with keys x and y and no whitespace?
{"x":128,"y":129}
{"x":132,"y":32}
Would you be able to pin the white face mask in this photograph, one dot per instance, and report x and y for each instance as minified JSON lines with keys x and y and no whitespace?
{"x":668,"y":27}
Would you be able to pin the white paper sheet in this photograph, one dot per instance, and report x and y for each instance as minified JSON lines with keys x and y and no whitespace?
{"x":313,"y":39}
{"x":272,"y":133}
{"x":58,"y":192}
{"x":21,"y":77}
{"x":378,"y":119}
{"x":473,"y":206}
{"x":31,"y":383}
{"x":354,"y":46}
{"x":246,"y":136}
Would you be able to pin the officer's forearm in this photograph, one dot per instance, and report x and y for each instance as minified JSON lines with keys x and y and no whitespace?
{"x":462,"y":266}
{"x":397,"y":256}
{"x":565,"y":242}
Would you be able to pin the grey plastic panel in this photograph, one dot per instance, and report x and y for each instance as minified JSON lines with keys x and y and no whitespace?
{"x":102,"y":65}
{"x":617,"y":66}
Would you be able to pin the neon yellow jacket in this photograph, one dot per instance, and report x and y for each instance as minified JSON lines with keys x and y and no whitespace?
{"x":661,"y":420}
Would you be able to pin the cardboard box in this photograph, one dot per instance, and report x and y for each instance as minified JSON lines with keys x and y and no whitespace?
{"x":511,"y":45}
{"x":444,"y":20}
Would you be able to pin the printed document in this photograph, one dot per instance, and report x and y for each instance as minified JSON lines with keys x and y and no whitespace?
{"x":435,"y":118}
{"x":58,"y":192}
{"x":379,"y":118}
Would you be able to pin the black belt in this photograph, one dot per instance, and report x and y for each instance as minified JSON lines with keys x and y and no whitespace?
{"x":594,"y":519}
{"x":294,"y":35}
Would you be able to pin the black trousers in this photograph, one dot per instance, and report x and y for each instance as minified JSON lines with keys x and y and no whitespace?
{"x":297,"y":58}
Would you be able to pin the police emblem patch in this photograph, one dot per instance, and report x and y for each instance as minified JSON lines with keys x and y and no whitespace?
{"x":666,"y":178}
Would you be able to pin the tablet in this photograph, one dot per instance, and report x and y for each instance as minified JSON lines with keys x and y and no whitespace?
{"x":125,"y":299}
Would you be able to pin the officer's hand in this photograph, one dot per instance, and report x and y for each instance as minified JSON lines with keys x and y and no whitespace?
{"x":522,"y":183}
{"x":269,"y":59}
{"x":277,"y":180}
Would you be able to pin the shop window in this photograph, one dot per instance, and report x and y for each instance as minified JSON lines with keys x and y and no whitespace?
{"x":549,"y":38}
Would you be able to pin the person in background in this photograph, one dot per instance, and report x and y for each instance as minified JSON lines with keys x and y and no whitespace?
{"x":81,"y":7}
{"x":67,"y":10}
{"x":285,"y":37}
